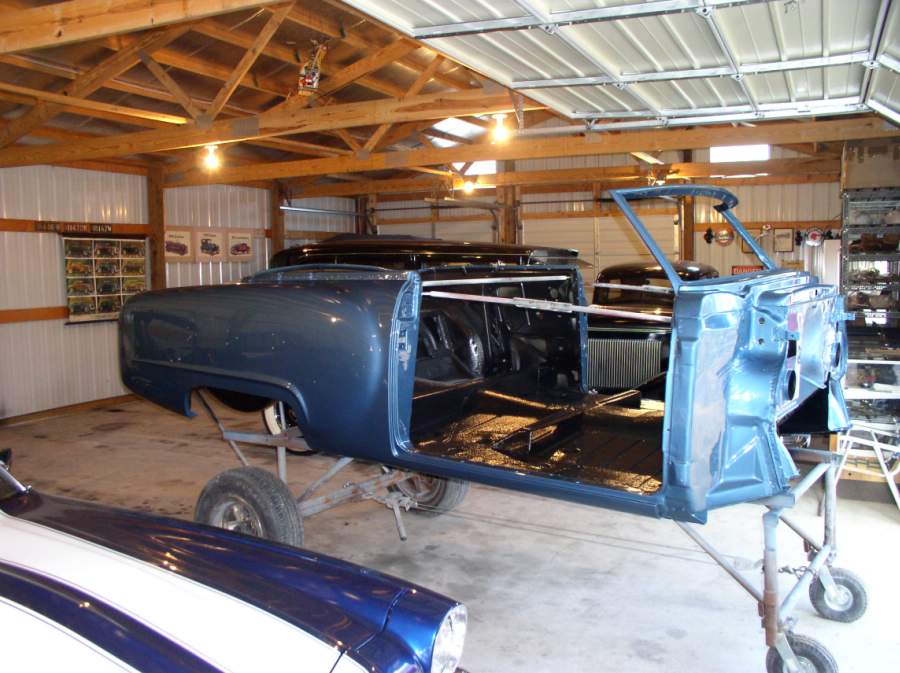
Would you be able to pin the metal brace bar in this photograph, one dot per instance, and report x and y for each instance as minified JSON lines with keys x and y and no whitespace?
{"x":351,"y":491}
{"x":231,"y":442}
{"x":333,"y":470}
{"x":713,"y":553}
{"x":802,"y":585}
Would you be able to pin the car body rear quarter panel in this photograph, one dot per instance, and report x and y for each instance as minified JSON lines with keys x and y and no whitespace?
{"x":322,"y":347}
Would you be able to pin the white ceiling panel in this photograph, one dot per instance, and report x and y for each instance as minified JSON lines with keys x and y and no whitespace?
{"x":669,"y":59}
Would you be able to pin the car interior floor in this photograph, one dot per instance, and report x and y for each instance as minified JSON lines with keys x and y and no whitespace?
{"x":611,"y":440}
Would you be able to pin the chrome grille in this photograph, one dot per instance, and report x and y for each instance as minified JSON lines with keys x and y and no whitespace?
{"x":620,"y":364}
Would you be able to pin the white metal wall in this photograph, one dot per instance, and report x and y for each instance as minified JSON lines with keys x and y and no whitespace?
{"x":218,"y":207}
{"x":339,"y":224}
{"x":47,"y":364}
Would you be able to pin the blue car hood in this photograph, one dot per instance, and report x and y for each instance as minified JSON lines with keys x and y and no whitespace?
{"x":340,"y":603}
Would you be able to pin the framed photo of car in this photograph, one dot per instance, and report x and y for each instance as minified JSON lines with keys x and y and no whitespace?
{"x":783,"y":240}
{"x":179,"y":245}
{"x":210,"y":245}
{"x":101,"y":274}
{"x":240,"y":246}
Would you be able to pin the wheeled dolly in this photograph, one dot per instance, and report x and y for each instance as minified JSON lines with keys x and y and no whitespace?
{"x":256,"y":502}
{"x":835,"y":593}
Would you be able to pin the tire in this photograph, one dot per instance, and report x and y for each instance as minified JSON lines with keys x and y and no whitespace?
{"x":251,"y":501}
{"x":849,"y":605}
{"x":433,"y":496}
{"x":813,"y":656}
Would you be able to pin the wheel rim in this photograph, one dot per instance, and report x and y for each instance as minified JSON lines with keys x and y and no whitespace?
{"x":420,"y":487}
{"x":806,"y":666}
{"x":237,"y":515}
{"x":839,"y":600}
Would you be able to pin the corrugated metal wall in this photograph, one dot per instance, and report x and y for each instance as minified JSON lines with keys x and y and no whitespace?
{"x":50,"y":363}
{"x":339,"y":224}
{"x":218,"y":207}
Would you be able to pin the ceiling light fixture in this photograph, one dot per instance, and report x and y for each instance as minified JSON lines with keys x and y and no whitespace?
{"x":468,"y":187}
{"x":500,"y":132}
{"x":212,"y":160}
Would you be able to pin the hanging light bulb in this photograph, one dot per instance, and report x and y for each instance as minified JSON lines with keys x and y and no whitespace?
{"x":212,"y":161}
{"x":500,"y":132}
{"x":468,"y":187}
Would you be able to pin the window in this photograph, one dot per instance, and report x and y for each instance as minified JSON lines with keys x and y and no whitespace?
{"x":484,"y":167}
{"x":725,"y":153}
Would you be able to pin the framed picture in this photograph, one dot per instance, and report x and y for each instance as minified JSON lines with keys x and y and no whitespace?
{"x":745,"y":248}
{"x":179,"y":245}
{"x":240,"y":246}
{"x":784,"y":240}
{"x":210,"y":245}
{"x":101,"y":274}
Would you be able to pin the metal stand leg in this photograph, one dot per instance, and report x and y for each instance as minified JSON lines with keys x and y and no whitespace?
{"x":231,"y":443}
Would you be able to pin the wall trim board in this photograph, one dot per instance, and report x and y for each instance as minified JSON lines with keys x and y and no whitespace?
{"x":579,"y":214}
{"x":58,"y":227}
{"x":15,"y":315}
{"x":701,"y":227}
{"x":69,"y":409}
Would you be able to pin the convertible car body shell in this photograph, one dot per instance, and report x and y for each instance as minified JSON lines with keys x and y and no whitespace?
{"x":753,"y":355}
{"x":88,"y":587}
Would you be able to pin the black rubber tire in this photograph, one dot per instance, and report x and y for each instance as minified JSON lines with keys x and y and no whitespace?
{"x":808,"y":650}
{"x":271,"y":419}
{"x":252,"y":501}
{"x":857,"y":596}
{"x":444,"y":495}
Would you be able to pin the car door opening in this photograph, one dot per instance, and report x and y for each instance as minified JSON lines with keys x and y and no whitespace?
{"x":500,"y":382}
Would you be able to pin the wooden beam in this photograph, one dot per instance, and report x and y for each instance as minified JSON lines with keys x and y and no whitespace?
{"x":537,"y":148}
{"x":323,"y":24}
{"x":246,"y":62}
{"x":75,"y":103}
{"x":40,"y":226}
{"x":277,"y":217}
{"x":374,"y":61}
{"x":289,"y":55}
{"x":283,"y":120}
{"x":13,"y":315}
{"x":78,"y":20}
{"x":416,"y":87}
{"x":90,"y":81}
{"x":164,"y":78}
{"x":157,"y":220}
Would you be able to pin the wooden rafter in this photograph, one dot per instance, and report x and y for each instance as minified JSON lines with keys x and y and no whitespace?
{"x":91,"y":80}
{"x":164,"y":78}
{"x":369,"y":63}
{"x":78,"y":20}
{"x":538,"y":148}
{"x":416,"y":87}
{"x":247,"y":61}
{"x":283,"y":120}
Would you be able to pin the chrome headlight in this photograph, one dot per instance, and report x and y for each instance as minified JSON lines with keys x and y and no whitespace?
{"x":448,"y":643}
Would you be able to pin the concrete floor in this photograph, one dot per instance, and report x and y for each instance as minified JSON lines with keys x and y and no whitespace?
{"x":549,"y":586}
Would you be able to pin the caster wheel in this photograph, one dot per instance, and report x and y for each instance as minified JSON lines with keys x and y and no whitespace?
{"x":811,"y":655}
{"x":433,"y":495}
{"x":251,"y":501}
{"x":847,"y":604}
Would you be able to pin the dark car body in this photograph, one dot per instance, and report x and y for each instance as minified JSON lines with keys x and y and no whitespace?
{"x":477,"y":372}
{"x":176,"y":248}
{"x":144,"y":590}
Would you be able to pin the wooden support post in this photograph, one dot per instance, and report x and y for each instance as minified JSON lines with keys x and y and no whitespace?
{"x":277,"y":217}
{"x":686,"y":218}
{"x":372,"y":203}
{"x":157,"y":219}
{"x":360,"y":223}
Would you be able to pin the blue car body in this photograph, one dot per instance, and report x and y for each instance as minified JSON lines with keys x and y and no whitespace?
{"x":754,"y":357}
{"x":372,"y":621}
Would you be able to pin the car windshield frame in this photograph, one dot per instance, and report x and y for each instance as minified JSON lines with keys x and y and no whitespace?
{"x":727,"y":202}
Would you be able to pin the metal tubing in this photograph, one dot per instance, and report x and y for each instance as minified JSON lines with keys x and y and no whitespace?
{"x":830,"y":538}
{"x":323,"y":211}
{"x":350,"y":492}
{"x":811,"y":478}
{"x":333,"y":470}
{"x":794,"y":526}
{"x":290,"y":439}
{"x":721,"y":561}
{"x":281,"y":459}
{"x":231,"y":443}
{"x":771,"y":622}
{"x":802,"y":585}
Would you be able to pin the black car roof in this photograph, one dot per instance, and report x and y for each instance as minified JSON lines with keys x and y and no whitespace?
{"x":414,"y":245}
{"x":650,"y":269}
